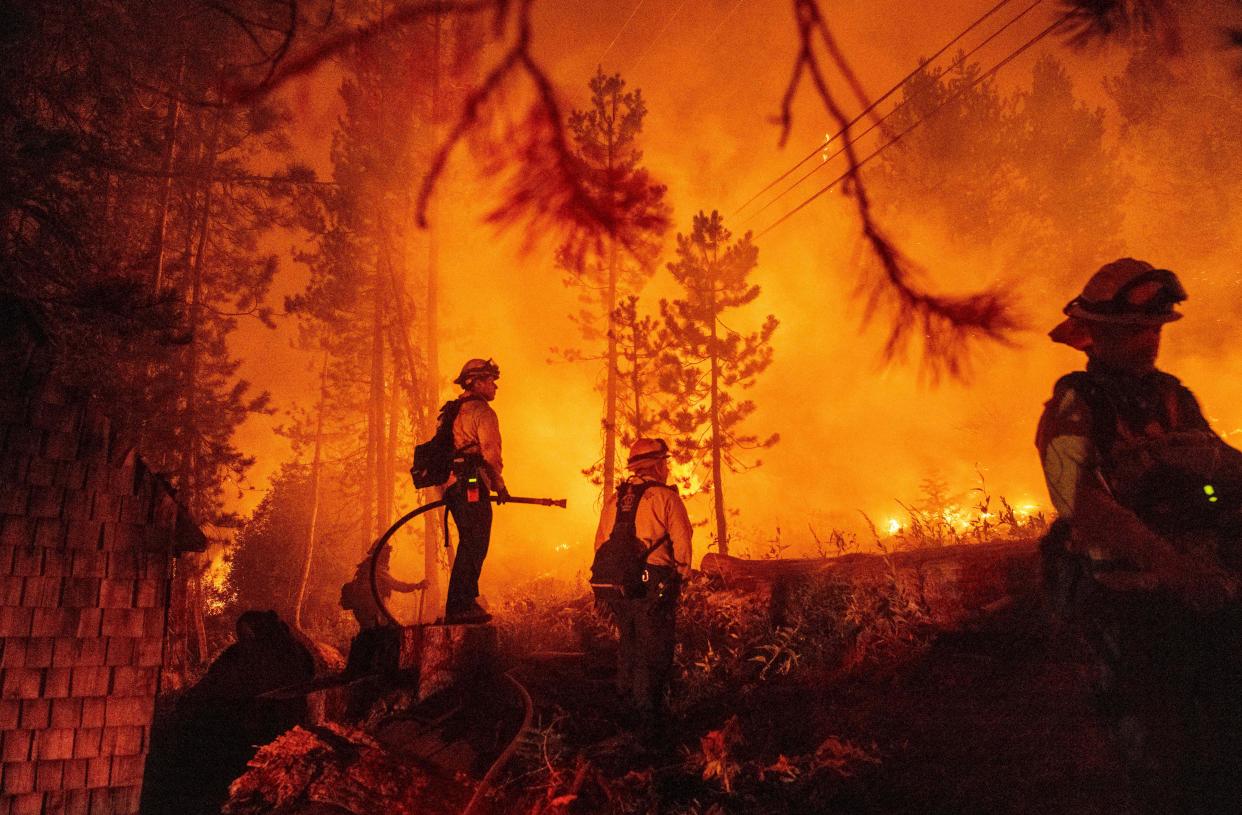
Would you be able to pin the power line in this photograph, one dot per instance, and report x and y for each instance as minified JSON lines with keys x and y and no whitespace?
{"x":657,"y":36}
{"x":624,"y":26}
{"x":878,"y":101}
{"x":1012,"y":56}
{"x":885,"y":117}
{"x":712,"y":37}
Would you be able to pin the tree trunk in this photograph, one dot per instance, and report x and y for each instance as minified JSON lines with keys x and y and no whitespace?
{"x":315,"y":482}
{"x":166,"y":165}
{"x":432,"y":525}
{"x":636,"y":385}
{"x":610,"y":388}
{"x":722,"y":532}
{"x":375,"y":412}
{"x":389,"y":486}
{"x":187,"y":482}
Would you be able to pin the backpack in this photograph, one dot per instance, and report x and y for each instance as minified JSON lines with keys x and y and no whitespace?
{"x":620,"y":565}
{"x":433,"y":459}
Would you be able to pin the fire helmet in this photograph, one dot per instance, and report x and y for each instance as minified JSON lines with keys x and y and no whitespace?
{"x":1126,"y":291}
{"x":475,"y":369}
{"x":645,"y":450}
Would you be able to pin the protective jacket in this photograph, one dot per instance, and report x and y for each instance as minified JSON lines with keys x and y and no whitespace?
{"x":476,"y":435}
{"x":661,"y":514}
{"x":1135,"y":469}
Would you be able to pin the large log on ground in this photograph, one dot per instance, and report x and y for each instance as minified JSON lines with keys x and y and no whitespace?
{"x":953,"y":583}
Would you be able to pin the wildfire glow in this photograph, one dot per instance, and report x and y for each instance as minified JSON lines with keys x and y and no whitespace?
{"x":1024,"y":511}
{"x":686,"y":478}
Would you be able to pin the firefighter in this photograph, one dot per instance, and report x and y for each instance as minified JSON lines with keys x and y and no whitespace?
{"x":647,"y":623}
{"x":1144,"y":554}
{"x":477,"y":467}
{"x":358,"y":598}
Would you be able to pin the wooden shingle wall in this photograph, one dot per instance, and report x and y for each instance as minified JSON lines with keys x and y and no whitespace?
{"x":87,"y":536}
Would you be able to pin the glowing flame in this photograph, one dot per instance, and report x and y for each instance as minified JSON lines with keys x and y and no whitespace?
{"x":215,"y":581}
{"x":686,"y":478}
{"x":562,"y":547}
{"x":1024,"y":511}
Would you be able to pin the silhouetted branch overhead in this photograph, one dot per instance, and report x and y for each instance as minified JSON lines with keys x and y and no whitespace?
{"x":1098,"y":20}
{"x":545,"y":184}
{"x":948,"y":325}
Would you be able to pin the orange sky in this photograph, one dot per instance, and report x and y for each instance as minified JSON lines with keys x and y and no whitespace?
{"x":856,"y":435}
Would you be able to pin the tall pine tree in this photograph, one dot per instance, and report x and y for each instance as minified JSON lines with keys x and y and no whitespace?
{"x":708,"y":362}
{"x":605,"y":136}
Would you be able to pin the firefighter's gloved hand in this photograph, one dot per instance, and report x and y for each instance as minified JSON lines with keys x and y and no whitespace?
{"x":502,"y":495}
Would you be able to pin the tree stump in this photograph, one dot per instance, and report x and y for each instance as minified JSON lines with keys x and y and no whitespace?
{"x":453,"y":654}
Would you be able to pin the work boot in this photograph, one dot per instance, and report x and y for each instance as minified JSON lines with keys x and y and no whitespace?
{"x":473,"y":614}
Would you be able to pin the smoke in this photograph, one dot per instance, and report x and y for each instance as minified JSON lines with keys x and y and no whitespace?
{"x":857,"y":435}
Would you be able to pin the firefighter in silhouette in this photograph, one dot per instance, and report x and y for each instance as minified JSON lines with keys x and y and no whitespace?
{"x":646,"y":618}
{"x":358,"y":598}
{"x":477,"y":467}
{"x":1145,"y":551}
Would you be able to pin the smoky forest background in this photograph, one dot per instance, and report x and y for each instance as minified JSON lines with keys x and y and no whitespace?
{"x":265,"y":233}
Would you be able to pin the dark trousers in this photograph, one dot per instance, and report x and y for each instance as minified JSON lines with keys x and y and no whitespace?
{"x":474,"y":532}
{"x":645,"y":659}
{"x":1172,"y":686}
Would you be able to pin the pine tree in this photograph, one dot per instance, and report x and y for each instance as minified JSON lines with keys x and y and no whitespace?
{"x":639,"y":339}
{"x":605,"y":135}
{"x":1029,"y":175}
{"x":1179,"y":133}
{"x":708,"y":362}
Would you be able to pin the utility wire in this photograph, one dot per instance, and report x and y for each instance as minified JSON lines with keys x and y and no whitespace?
{"x":657,"y":36}
{"x":819,"y":148}
{"x":992,"y":71}
{"x":711,"y":38}
{"x":624,"y":26}
{"x":853,"y":139}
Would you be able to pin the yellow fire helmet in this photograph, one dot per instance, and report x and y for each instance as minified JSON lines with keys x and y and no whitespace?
{"x":647,"y":450}
{"x":1125,"y":291}
{"x":475,"y":368}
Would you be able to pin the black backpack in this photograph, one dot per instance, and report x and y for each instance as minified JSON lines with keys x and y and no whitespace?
{"x":621,"y":561}
{"x":433,"y":460}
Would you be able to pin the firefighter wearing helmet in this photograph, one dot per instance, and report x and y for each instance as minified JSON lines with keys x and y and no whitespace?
{"x":656,"y":517}
{"x":1144,"y":555}
{"x":477,"y":474}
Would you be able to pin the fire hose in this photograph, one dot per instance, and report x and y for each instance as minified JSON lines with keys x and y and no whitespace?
{"x":382,"y":543}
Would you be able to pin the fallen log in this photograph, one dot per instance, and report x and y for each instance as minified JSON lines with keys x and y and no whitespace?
{"x":953,"y":584}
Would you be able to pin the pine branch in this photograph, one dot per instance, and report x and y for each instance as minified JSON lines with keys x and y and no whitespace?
{"x":948,"y":325}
